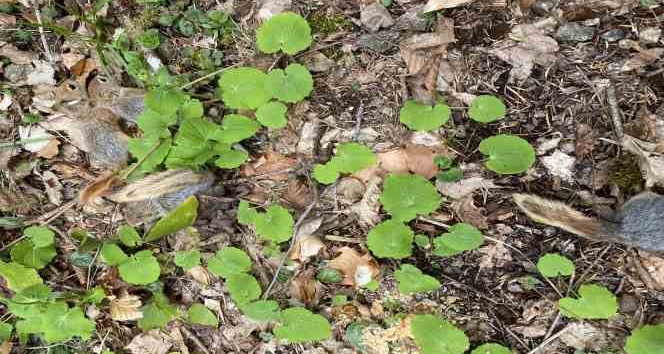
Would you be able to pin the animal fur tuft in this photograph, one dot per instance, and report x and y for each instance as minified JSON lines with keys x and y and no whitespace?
{"x":559,"y":215}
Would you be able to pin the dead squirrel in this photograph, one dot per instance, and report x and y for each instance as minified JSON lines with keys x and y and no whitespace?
{"x":638,"y":223}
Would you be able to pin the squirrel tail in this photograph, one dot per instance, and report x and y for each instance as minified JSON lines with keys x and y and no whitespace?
{"x":559,"y":215}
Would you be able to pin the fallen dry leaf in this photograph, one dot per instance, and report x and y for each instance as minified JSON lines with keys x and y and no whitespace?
{"x":50,"y":150}
{"x":368,"y":208}
{"x":200,"y":274}
{"x":467,"y":212}
{"x":125,"y":308}
{"x":651,"y":162}
{"x":585,"y":336}
{"x":34,"y":132}
{"x":7,"y":20}
{"x":464,"y":187}
{"x":98,"y":188}
{"x":418,"y":159}
{"x":305,"y":288}
{"x":16,"y":55}
{"x":151,"y":342}
{"x":6,"y":347}
{"x":306,"y":247}
{"x":357,"y":269}
{"x":654,"y":266}
{"x":642,"y":58}
{"x":585,"y":140}
{"x":435,"y":5}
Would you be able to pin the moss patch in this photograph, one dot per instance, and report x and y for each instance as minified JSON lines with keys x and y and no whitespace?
{"x":625,"y":172}
{"x":327,"y":24}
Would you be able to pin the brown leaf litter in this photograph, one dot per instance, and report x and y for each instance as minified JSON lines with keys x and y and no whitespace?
{"x":356,"y":268}
{"x":125,"y":307}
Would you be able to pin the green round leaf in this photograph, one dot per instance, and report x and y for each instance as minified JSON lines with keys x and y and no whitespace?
{"x":128,"y":236}
{"x":300,"y":325}
{"x":405,"y":196}
{"x":244,"y":88}
{"x":491,"y":348}
{"x":353,"y":157}
{"x":243,"y":288}
{"x":235,"y":128}
{"x":262,"y":310}
{"x":141,"y":268}
{"x":18,"y":276}
{"x":422,"y":241}
{"x":231,"y":158}
{"x":272,"y":115}
{"x":461,"y":237}
{"x":157,"y":313}
{"x":276,"y":224}
{"x":329,"y":275}
{"x":290,"y":85}
{"x":182,"y":216}
{"x":286,"y":31}
{"x":487,"y":108}
{"x":327,"y":173}
{"x":412,"y":280}
{"x":165,"y":102}
{"x":192,"y":108}
{"x":228,"y":262}
{"x":188,"y":259}
{"x":443,"y":162}
{"x":435,"y":335}
{"x":201,"y":315}
{"x":112,"y":254}
{"x":5,"y":331}
{"x":595,"y":302}
{"x":552,"y":265}
{"x":391,"y":239}
{"x":41,"y":236}
{"x":452,"y":175}
{"x":647,"y":339}
{"x":246,"y":215}
{"x":26,"y":253}
{"x":419,"y":116}
{"x":508,"y":154}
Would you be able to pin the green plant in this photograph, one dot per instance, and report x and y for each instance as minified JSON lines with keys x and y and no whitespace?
{"x":18,"y":276}
{"x":329,"y":275}
{"x":552,"y":265}
{"x":405,"y":196}
{"x":422,"y":241}
{"x":491,"y":348}
{"x":435,"y":335}
{"x":188,"y":259}
{"x":508,"y":154}
{"x":262,"y":310}
{"x":391,"y":239}
{"x":228,"y":262}
{"x":420,"y":116}
{"x":412,"y":280}
{"x":243,"y":288}
{"x":201,"y":315}
{"x":5,"y":331}
{"x":486,"y":109}
{"x":286,"y":31}
{"x":349,"y":158}
{"x":459,"y":238}
{"x":149,"y":39}
{"x":595,"y":302}
{"x":55,"y":322}
{"x":275,"y":224}
{"x":298,"y":325}
{"x":157,"y":313}
{"x":244,"y":88}
{"x":37,"y":250}
{"x":272,"y":115}
{"x":140,"y":268}
{"x":179,"y":218}
{"x":291,"y":85}
{"x":647,"y":339}
{"x":129,"y":236}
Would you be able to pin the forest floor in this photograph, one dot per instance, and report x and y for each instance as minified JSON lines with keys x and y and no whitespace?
{"x":574,"y":75}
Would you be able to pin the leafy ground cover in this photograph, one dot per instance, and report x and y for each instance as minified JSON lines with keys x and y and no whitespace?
{"x":311,"y":177}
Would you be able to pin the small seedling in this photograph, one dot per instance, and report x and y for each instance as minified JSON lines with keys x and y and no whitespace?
{"x":350,"y":158}
{"x":647,"y":339}
{"x":243,"y":288}
{"x":491,"y":348}
{"x":435,"y":335}
{"x":286,"y":31}
{"x":329,"y":275}
{"x":37,"y":250}
{"x":150,"y":39}
{"x":486,"y":109}
{"x":157,"y":313}
{"x":275,"y":224}
{"x":228,"y":262}
{"x":460,"y":237}
{"x":199,"y":314}
{"x":141,"y":268}
{"x":450,"y":175}
{"x":129,"y":236}
{"x":405,"y":196}
{"x":420,"y":116}
{"x":298,"y":325}
{"x":412,"y":280}
{"x":188,"y":259}
{"x":551,"y":265}
{"x":291,"y":85}
{"x":244,"y":87}
{"x":391,"y":239}
{"x":595,"y":302}
{"x":508,"y":154}
{"x":272,"y":115}
{"x":262,"y":310}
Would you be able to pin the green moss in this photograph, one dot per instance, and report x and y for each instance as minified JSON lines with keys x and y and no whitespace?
{"x":327,"y":24}
{"x":625,"y":172}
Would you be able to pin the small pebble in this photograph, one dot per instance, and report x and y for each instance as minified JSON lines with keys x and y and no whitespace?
{"x":543,"y":7}
{"x":573,"y":32}
{"x":613,"y":35}
{"x":650,"y":35}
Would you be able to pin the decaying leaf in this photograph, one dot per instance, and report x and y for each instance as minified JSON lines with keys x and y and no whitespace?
{"x":654,"y":266}
{"x":16,"y":55}
{"x":418,"y":159}
{"x":50,"y":150}
{"x":200,"y":274}
{"x":368,"y":208}
{"x":273,"y":171}
{"x":98,"y":188}
{"x":150,"y":342}
{"x":357,"y":269}
{"x":306,"y":247}
{"x":305,"y":288}
{"x":464,"y":187}
{"x":467,"y":212}
{"x":38,"y":135}
{"x":585,"y":336}
{"x":376,"y":338}
{"x":651,"y":162}
{"x":125,"y":308}
{"x":642,"y":58}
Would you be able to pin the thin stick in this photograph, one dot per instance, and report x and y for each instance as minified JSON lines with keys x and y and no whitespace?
{"x":551,"y":339}
{"x":296,"y":228}
{"x":194,"y":339}
{"x":41,"y":32}
{"x":216,"y":72}
{"x":616,"y":115}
